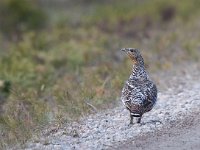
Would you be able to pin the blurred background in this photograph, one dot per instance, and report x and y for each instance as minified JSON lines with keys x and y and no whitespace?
{"x":60,"y":59}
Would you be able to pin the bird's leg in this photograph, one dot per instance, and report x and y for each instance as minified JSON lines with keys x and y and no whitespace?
{"x":139,"y":119}
{"x":131,"y":120}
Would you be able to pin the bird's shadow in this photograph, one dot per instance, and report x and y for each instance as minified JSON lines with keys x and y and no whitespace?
{"x":151,"y":122}
{"x":154,"y":122}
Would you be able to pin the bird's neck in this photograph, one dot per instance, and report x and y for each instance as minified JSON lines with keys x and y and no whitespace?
{"x":138,"y":72}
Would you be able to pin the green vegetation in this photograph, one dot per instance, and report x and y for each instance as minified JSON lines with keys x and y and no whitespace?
{"x":73,"y":66}
{"x":17,"y":16}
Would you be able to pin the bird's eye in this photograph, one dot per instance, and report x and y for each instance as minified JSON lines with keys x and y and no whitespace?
{"x":131,"y":50}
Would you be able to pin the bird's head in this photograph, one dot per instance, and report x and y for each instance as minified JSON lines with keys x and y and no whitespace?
{"x":134,"y":54}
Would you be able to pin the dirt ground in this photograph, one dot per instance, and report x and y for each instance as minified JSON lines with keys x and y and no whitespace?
{"x":184,"y":136}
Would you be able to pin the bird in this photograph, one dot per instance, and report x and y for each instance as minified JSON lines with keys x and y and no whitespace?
{"x":139,"y":94}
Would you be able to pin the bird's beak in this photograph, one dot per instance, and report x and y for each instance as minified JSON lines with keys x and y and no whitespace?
{"x":124,"y":49}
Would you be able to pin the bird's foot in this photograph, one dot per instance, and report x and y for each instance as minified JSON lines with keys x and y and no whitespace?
{"x":130,"y":125}
{"x":139,"y":120}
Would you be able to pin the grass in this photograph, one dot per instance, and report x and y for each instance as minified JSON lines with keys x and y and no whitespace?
{"x":74,"y":67}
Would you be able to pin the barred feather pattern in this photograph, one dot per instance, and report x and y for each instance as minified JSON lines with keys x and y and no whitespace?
{"x":139,"y":93}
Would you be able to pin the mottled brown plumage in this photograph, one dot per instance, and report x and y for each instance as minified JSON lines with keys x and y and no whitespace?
{"x":139,"y":93}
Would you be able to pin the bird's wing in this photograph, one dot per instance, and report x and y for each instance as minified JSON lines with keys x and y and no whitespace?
{"x":126,"y":96}
{"x":151,"y":96}
{"x":132,"y":94}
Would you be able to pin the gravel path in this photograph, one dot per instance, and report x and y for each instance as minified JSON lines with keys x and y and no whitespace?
{"x":184,"y":136}
{"x":110,"y":129}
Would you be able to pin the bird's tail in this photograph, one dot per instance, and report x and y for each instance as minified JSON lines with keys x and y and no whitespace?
{"x":136,"y":110}
{"x":135,"y":114}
